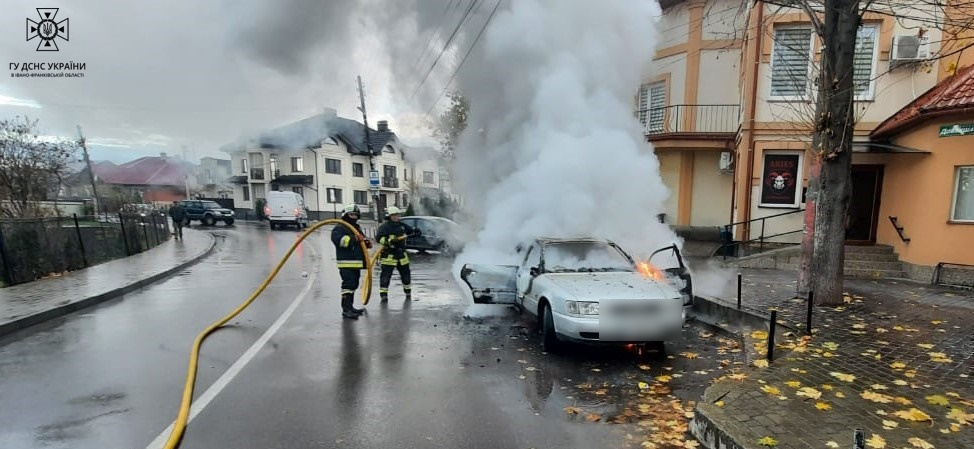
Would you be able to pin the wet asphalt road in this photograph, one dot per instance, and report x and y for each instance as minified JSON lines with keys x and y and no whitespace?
{"x":428,"y":374}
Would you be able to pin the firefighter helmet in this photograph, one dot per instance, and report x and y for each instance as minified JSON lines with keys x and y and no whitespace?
{"x":393,"y":210}
{"x":351,"y":208}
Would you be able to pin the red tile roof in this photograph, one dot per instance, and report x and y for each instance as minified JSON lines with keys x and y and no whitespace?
{"x":152,"y":170}
{"x":954,"y":94}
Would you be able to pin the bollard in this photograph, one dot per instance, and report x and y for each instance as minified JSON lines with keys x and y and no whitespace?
{"x":738,"y":291}
{"x":774,"y":322}
{"x":81,"y":241}
{"x":125,"y":238}
{"x":859,"y":440}
{"x":808,"y":316}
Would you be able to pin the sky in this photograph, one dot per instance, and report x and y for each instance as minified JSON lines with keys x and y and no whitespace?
{"x":185,"y":77}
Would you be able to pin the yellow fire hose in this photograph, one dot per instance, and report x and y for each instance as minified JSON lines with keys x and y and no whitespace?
{"x":184,"y":407}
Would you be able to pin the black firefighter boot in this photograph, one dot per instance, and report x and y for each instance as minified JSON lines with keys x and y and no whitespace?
{"x":348,"y":311}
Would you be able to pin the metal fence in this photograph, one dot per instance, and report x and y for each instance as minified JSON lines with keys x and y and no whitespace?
{"x":34,"y":248}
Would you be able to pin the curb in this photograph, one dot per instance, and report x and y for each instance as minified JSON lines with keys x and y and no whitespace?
{"x":59,"y":311}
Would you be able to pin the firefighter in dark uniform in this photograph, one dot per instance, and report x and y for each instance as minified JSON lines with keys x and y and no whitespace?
{"x":392,"y":236}
{"x":351,"y":260}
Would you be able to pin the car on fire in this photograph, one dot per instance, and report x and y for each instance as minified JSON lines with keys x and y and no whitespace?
{"x":589,"y":290}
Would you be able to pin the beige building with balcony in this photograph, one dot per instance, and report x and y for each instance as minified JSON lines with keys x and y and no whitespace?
{"x":728,"y":111}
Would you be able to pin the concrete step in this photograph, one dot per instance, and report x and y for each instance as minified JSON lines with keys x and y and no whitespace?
{"x":872,"y":249}
{"x":873,"y":265}
{"x":873,"y":274}
{"x":878,"y":257}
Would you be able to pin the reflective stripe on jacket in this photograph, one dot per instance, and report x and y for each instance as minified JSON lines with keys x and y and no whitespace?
{"x":392,"y":236}
{"x":348,"y":251}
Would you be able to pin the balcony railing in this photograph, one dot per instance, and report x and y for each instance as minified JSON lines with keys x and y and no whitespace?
{"x":691,"y":119}
{"x":257,"y":174}
{"x":390,"y":183}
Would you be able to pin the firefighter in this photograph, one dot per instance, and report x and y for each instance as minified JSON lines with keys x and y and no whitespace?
{"x":392,"y":236}
{"x":351,"y":260}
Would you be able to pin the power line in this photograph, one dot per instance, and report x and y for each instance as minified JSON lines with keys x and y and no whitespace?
{"x":434,"y":32}
{"x":466,"y":14}
{"x":470,"y":50}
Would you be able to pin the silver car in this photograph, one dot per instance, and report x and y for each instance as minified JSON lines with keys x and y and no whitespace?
{"x":590,"y":291}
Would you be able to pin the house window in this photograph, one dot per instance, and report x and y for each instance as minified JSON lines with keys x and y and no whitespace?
{"x":243,"y":166}
{"x":790,"y":62}
{"x":297,"y":164}
{"x":389,"y":149}
{"x":358,"y":170}
{"x":298,"y":189}
{"x":274,"y":171}
{"x":963,"y":204}
{"x":333,"y":166}
{"x":427,"y":177}
{"x":334,"y":195}
{"x":361,"y":196}
{"x":246,"y":192}
{"x":652,"y":103}
{"x":864,"y":61}
{"x":389,"y":171}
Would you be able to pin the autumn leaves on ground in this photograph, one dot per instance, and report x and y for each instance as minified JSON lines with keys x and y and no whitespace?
{"x":887,"y":369}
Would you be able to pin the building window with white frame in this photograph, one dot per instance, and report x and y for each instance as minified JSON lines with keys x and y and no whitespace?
{"x":428,"y":177}
{"x":791,"y":62}
{"x":333,"y":166}
{"x":962,"y":207}
{"x":298,"y":189}
{"x":246,"y":193}
{"x":297,"y":164}
{"x":864,"y":61}
{"x":652,"y":104}
{"x":334,"y":195}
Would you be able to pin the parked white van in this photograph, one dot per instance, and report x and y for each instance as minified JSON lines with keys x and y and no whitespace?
{"x":286,"y":209}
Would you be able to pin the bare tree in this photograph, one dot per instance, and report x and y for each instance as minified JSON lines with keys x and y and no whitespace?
{"x":31,"y":166}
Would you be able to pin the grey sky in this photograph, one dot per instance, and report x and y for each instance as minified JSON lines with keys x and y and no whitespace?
{"x":163,"y":75}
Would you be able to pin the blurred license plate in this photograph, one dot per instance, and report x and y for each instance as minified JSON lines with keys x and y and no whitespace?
{"x":635,"y":309}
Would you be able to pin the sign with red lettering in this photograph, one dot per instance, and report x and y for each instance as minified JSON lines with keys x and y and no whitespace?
{"x":781,"y":180}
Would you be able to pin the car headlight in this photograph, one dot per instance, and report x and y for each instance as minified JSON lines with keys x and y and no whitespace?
{"x":582,"y":307}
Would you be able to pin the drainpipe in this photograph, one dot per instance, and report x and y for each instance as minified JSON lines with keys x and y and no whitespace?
{"x":317,"y":187}
{"x":753,"y":100}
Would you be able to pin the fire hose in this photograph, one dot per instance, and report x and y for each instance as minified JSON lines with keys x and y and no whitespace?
{"x":182,"y":418}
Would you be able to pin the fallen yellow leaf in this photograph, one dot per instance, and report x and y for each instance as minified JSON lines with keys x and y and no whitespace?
{"x":738,"y":376}
{"x":897,"y":365}
{"x":839,"y":394}
{"x":925,"y":345}
{"x":881,"y":330}
{"x":593,"y":417}
{"x":938,"y":400}
{"x":913,"y":415}
{"x":809,"y":392}
{"x":890,"y":425}
{"x":902,"y":401}
{"x":958,"y":414}
{"x":876,"y":442}
{"x":832,"y":444}
{"x":918,"y":443}
{"x":793,"y":384}
{"x":719,"y":403}
{"x":768,"y":441}
{"x":774,"y":391}
{"x":649,"y":445}
{"x":876,"y":397}
{"x":880,"y":412}
{"x":831,"y":346}
{"x":664,"y":379}
{"x":643,"y":385}
{"x":759,"y":335}
{"x":843,"y":377}
{"x":572,"y":410}
{"x":690,"y":355}
{"x":823,"y":406}
{"x":690,"y":444}
{"x":879,"y":387}
{"x":644,"y":367}
{"x":761,"y":363}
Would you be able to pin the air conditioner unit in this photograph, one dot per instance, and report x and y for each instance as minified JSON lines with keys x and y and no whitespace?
{"x":726,"y":159}
{"x":909,"y":48}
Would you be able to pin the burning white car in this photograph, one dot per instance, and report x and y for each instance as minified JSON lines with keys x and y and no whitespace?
{"x":589,"y":290}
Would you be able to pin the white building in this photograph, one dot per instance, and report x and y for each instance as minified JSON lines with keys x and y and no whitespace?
{"x":325,"y":159}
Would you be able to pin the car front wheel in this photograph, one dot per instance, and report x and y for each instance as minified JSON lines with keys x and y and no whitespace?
{"x":229,"y":222}
{"x":209,"y":220}
{"x":549,"y":340}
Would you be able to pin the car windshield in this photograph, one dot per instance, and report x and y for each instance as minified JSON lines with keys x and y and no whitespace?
{"x":584,"y":256}
{"x":210,"y":205}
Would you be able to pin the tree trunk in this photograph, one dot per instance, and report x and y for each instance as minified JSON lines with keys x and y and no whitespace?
{"x":832,"y":143}
{"x":808,"y":227}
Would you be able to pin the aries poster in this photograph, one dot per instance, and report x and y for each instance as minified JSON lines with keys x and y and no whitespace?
{"x":779,"y":186}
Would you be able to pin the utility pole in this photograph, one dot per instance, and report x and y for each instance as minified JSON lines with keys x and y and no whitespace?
{"x":373,"y":173}
{"x":91,"y":173}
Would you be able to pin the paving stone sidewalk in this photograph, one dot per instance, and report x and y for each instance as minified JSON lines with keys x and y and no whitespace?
{"x":34,"y":302}
{"x":897,"y":360}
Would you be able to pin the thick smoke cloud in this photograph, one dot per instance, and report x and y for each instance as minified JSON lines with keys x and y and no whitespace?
{"x":552,"y":148}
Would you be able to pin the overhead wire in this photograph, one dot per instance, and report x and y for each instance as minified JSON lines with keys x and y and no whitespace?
{"x":446,"y":45}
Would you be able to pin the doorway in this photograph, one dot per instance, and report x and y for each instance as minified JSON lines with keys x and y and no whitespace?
{"x":867,"y":185}
{"x":381,"y":205}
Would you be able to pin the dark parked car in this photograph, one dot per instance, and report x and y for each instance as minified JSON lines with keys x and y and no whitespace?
{"x":206,"y":212}
{"x":436,"y":234}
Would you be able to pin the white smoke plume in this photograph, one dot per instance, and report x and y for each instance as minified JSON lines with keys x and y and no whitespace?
{"x":552,"y":147}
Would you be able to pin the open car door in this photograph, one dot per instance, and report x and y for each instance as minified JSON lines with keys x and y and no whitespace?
{"x":491,"y":284}
{"x":669,"y":260}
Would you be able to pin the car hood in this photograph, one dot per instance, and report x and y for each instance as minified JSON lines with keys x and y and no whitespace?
{"x":610,"y":285}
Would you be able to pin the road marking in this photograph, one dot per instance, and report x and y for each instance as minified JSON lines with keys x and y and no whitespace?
{"x":245,"y":358}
